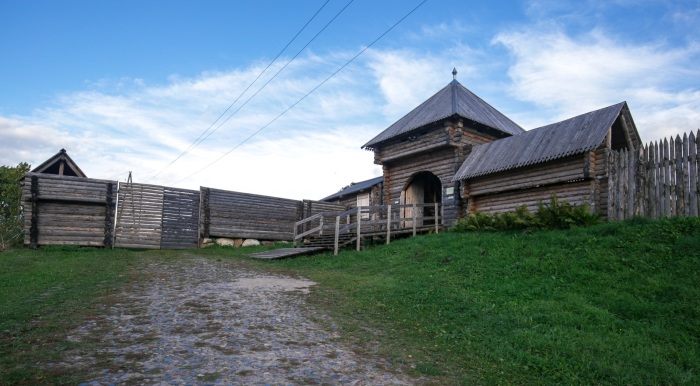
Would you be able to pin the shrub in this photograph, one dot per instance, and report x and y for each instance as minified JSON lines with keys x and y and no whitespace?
{"x":553,"y":215}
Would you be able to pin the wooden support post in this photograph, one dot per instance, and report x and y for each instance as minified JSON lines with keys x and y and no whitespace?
{"x":320,"y":233}
{"x":414,"y":220}
{"x":337,"y":236}
{"x":34,"y":229}
{"x":294,"y":242}
{"x":359,"y":228}
{"x":388,"y":224}
{"x":693,"y":171}
{"x":206,"y":220}
{"x":109,"y":217}
{"x":437,"y":218}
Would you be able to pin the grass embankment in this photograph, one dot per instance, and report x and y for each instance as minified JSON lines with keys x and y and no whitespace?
{"x":43,"y":294}
{"x":614,"y":303}
{"x":611,"y":304}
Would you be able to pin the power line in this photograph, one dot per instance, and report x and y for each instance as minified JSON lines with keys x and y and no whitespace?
{"x":308,"y":93}
{"x":197,"y":141}
{"x":280,"y":70}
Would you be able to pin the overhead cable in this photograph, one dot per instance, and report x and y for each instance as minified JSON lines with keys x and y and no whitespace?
{"x":308,"y":93}
{"x":200,"y":139}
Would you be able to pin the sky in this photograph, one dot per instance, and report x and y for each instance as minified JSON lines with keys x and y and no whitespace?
{"x":278,"y":97}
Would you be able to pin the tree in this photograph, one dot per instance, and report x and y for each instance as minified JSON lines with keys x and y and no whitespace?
{"x":11,"y":216}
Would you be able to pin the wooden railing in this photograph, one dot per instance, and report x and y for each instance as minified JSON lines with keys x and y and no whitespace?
{"x":374,"y":220}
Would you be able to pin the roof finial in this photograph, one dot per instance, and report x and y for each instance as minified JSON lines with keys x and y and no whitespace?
{"x":454,"y":73}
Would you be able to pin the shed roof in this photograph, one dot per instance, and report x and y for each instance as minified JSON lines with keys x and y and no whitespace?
{"x":53,"y":165}
{"x":358,"y":187}
{"x":453,"y":99}
{"x":557,"y":140}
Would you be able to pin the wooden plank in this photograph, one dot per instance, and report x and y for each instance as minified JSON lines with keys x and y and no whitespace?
{"x":686,"y":174}
{"x":680,"y":207}
{"x":667,"y":179}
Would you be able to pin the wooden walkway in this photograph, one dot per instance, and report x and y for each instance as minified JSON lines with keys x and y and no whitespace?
{"x":282,"y":253}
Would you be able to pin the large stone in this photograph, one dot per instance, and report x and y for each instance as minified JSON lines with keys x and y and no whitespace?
{"x":237,"y":242}
{"x":268,"y":243}
{"x":206,"y":243}
{"x":224,"y":242}
{"x":251,"y":243}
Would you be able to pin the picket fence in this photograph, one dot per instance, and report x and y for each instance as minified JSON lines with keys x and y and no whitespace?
{"x":658,"y":180}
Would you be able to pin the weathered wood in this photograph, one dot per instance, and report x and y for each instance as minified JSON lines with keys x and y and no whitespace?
{"x":692,"y":176}
{"x":34,"y":230}
{"x":109,"y":217}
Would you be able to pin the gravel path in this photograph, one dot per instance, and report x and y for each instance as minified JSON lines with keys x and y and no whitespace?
{"x":198,"y":321}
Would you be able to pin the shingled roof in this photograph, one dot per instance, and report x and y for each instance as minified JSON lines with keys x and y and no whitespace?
{"x":358,"y":187}
{"x":453,"y":99}
{"x":572,"y":136}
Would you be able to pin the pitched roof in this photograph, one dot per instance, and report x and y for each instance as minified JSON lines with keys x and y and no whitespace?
{"x":53,"y":165}
{"x":572,"y":136}
{"x":354,"y":188}
{"x":453,"y":99}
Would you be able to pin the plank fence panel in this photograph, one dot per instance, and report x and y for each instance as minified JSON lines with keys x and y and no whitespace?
{"x":139,"y":216}
{"x":180,"y":219}
{"x":244,"y":215}
{"x":658,"y":180}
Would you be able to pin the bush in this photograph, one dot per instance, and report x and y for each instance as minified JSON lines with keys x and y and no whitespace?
{"x":11,"y":216}
{"x":553,"y":215}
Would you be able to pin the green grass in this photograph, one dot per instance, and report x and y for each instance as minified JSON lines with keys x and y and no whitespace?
{"x":615,"y":303}
{"x":612,"y":304}
{"x":43,"y":294}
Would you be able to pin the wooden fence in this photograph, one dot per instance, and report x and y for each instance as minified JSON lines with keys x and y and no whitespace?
{"x":659,"y":180}
{"x":244,"y":215}
{"x":65,"y":210}
{"x":156,"y":217}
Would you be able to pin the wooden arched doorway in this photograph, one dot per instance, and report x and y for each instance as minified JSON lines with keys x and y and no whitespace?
{"x":423,"y":188}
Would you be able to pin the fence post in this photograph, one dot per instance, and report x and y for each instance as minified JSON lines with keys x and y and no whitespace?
{"x":693,"y":174}
{"x":388,"y":224}
{"x":686,"y":177}
{"x":359,"y":226}
{"x":109,"y":217}
{"x":414,"y":220}
{"x":437,"y":217}
{"x":34,"y":228}
{"x":337,"y":235}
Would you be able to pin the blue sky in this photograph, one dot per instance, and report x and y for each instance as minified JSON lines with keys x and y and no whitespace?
{"x":129,"y":85}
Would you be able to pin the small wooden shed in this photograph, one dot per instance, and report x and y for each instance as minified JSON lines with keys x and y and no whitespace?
{"x":421,"y":152}
{"x":566,"y":158}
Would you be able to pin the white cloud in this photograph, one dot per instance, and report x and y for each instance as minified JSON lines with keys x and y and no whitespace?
{"x":310,"y":152}
{"x":566,"y":76}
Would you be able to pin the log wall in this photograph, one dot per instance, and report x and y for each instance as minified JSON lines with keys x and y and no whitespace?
{"x":575,"y":179}
{"x":64,"y":210}
{"x":442,"y":163}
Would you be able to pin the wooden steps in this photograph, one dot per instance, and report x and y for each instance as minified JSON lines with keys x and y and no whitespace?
{"x":282,"y":253}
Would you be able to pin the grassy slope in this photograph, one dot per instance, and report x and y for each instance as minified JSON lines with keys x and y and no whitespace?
{"x":611,"y":304}
{"x":614,"y":303}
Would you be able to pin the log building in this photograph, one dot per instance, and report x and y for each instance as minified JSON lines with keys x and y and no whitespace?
{"x":457,"y":150}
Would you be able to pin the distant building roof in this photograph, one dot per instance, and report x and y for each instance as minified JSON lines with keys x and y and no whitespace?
{"x":62,"y":164}
{"x":572,"y":136}
{"x":453,"y":100}
{"x":358,"y":187}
